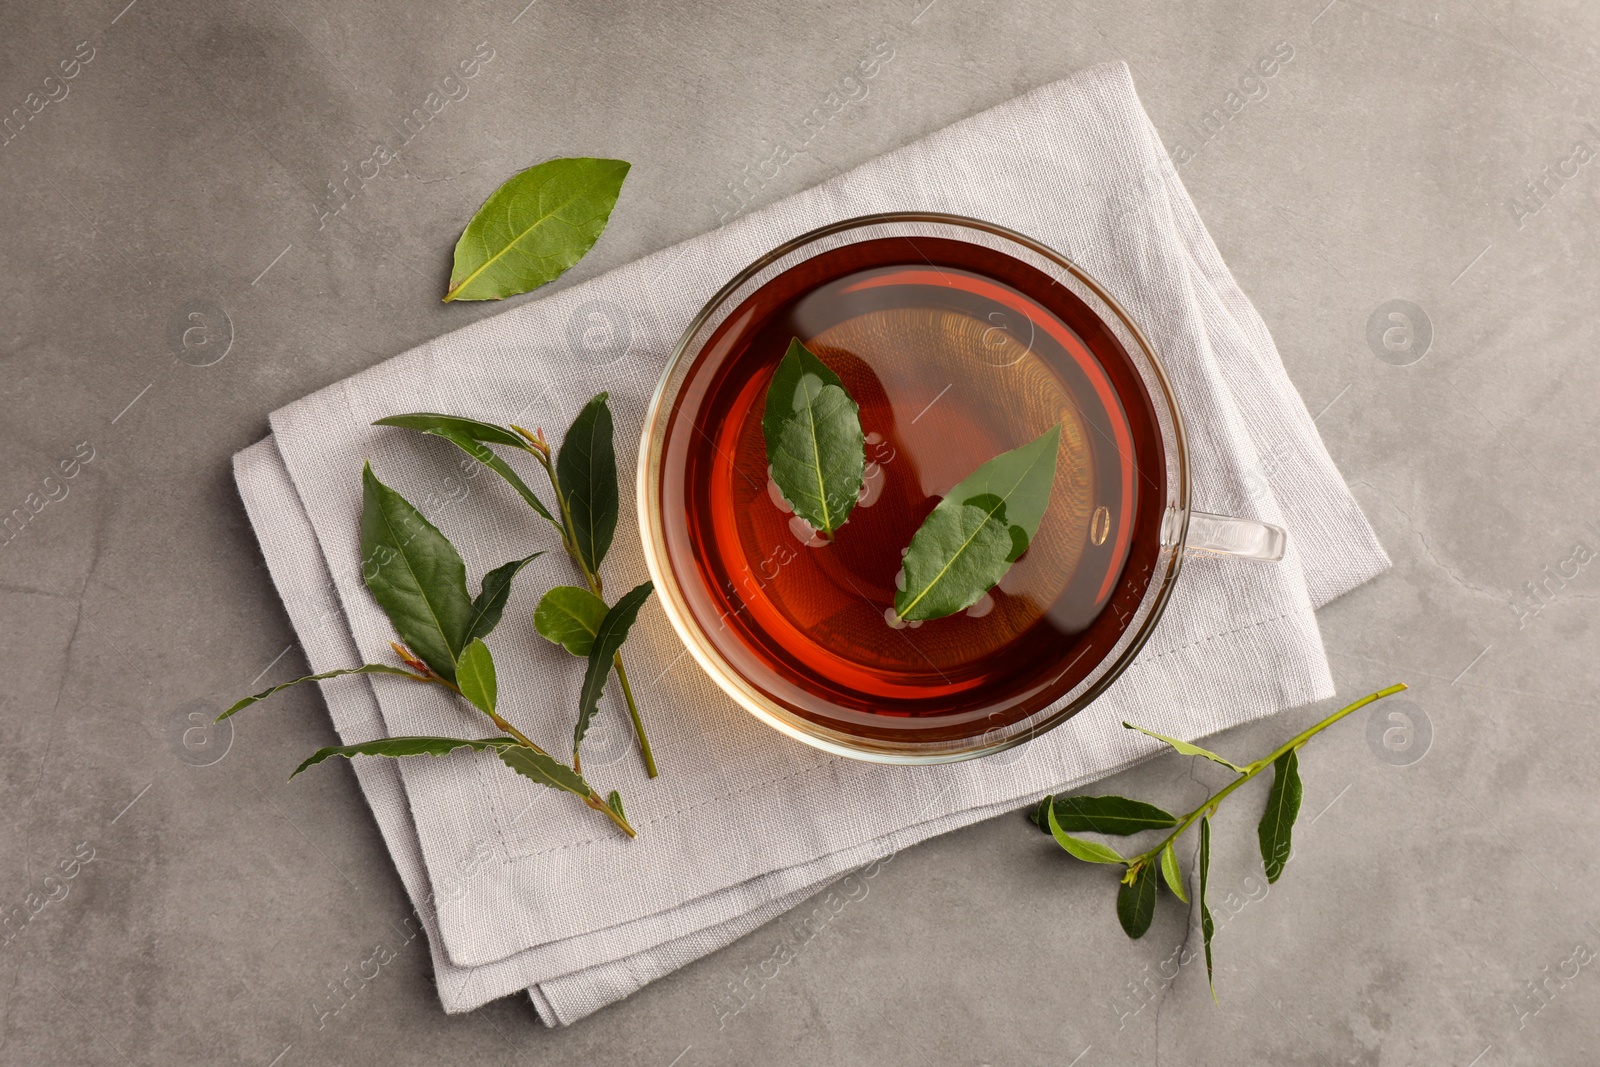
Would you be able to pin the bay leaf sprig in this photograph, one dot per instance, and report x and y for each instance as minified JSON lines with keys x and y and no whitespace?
{"x":419,"y":580}
{"x":1065,"y":816}
{"x":534,"y":227}
{"x":583,"y":477}
{"x":815,"y":447}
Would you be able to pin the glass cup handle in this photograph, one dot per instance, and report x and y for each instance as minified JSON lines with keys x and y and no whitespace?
{"x":1220,"y":535}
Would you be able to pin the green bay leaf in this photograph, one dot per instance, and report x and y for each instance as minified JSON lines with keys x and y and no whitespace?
{"x":815,"y":445}
{"x":365,"y":668}
{"x":475,"y":676}
{"x":534,"y":227}
{"x":397,"y":747}
{"x":1020,"y":480}
{"x":1088,"y":851}
{"x":1110,"y":815}
{"x":1136,"y":902}
{"x":1185,"y":748}
{"x":958,"y":553}
{"x":1283,"y":806}
{"x":543,"y":768}
{"x":435,"y":423}
{"x":972,"y":536}
{"x":473,"y":438}
{"x":415,"y":574}
{"x":587,"y":470}
{"x":490,"y":603}
{"x":608,"y":639}
{"x":1172,"y":874}
{"x":570,"y":616}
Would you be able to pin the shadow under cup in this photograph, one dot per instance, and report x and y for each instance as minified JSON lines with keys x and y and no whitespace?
{"x":956,"y":350}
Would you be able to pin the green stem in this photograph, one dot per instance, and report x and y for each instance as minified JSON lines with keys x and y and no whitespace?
{"x":594,"y":799}
{"x":592,"y":578}
{"x":1256,"y":768}
{"x":597,"y":802}
{"x":535,"y":448}
{"x":638,"y":726}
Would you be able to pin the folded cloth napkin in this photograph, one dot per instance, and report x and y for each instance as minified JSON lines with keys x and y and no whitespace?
{"x":520,"y":887}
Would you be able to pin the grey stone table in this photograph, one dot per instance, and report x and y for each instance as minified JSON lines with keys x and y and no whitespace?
{"x":1411,"y":199}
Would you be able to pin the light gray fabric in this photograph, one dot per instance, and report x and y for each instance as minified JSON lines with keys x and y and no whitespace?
{"x":522,"y":887}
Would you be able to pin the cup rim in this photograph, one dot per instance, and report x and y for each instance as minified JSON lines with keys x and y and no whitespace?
{"x":1173,"y":527}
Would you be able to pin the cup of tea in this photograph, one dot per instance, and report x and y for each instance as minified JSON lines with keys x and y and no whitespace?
{"x":959,"y":340}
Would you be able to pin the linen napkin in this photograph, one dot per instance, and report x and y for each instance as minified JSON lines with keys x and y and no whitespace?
{"x":519,"y":887}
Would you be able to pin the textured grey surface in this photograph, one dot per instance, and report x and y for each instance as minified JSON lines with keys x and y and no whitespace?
{"x":1436,"y":911}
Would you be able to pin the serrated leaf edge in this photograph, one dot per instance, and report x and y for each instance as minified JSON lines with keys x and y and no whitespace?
{"x":372,"y":748}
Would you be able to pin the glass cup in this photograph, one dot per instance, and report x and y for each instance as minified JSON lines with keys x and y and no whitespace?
{"x":895,"y":303}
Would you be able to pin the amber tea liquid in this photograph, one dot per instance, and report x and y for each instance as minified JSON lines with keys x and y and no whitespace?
{"x":955,"y":353}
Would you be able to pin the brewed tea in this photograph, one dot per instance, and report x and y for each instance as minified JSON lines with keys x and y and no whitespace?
{"x":955,"y":353}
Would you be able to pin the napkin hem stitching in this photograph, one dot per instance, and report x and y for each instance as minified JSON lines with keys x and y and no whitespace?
{"x":1202,"y":640}
{"x":765,"y":783}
